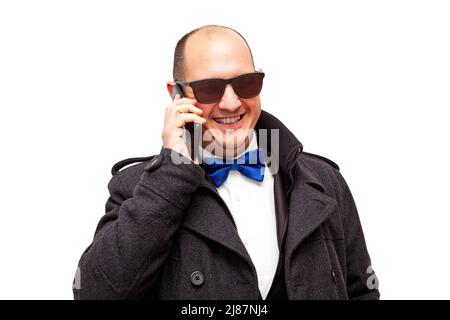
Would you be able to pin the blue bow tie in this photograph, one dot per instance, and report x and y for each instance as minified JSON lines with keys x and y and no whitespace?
{"x":250,"y":164}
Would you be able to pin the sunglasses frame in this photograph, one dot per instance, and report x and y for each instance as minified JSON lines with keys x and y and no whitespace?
{"x":192,"y":84}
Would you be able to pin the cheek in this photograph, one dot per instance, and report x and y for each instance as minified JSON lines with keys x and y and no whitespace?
{"x":206,"y":111}
{"x":254,"y":111}
{"x":207,"y":115}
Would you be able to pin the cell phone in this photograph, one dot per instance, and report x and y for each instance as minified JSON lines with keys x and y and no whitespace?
{"x":194,"y":129}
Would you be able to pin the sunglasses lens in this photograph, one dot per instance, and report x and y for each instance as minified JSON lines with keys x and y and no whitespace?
{"x":209,"y":91}
{"x":248,"y":85}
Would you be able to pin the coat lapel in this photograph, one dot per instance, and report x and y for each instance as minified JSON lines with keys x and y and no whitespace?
{"x":309,"y":208}
{"x":210,"y":219}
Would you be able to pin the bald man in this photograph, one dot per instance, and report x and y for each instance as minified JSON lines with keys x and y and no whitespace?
{"x":254,"y":217}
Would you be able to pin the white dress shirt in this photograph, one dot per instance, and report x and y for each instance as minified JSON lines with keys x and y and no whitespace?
{"x":252,"y":205}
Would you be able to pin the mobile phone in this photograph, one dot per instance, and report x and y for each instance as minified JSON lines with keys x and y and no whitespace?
{"x":194,"y":129}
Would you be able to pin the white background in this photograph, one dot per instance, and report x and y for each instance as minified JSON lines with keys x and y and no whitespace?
{"x":82,"y":86}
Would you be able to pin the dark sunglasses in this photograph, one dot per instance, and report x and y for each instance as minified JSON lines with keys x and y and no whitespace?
{"x":246,"y":86}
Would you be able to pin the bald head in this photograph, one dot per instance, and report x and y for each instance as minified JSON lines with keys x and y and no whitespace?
{"x":205,"y":44}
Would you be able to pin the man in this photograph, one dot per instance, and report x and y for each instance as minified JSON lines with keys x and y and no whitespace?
{"x":280,"y":229}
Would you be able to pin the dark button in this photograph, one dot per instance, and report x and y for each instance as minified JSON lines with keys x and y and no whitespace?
{"x":154,"y":163}
{"x":197,"y":278}
{"x":333,"y":276}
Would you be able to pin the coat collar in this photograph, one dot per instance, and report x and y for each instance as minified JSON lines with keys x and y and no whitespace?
{"x":306,"y":204}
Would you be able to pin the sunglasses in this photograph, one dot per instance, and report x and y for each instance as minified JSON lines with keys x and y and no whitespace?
{"x":246,"y":86}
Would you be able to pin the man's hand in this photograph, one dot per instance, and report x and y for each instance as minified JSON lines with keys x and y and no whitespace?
{"x":178,"y":113}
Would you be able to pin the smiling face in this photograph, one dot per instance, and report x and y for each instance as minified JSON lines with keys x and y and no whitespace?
{"x":223,"y":55}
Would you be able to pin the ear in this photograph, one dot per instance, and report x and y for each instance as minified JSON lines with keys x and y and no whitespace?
{"x":170,"y":86}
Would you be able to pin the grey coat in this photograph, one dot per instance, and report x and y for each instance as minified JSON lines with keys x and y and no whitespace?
{"x":167,"y":234}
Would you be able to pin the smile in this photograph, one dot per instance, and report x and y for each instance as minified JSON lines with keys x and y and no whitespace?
{"x":230,"y":120}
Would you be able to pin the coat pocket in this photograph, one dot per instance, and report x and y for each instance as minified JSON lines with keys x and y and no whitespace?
{"x":316,"y":270}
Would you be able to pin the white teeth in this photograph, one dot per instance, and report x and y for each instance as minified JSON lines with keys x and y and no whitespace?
{"x":228,"y":120}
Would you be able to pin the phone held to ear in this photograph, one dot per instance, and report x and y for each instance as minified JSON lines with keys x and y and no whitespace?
{"x":194,"y":129}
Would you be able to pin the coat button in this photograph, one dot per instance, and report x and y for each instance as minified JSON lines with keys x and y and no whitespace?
{"x":197,"y":278}
{"x":154,"y":163}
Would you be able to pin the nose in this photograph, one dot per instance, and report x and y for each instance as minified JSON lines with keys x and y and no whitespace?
{"x":230,"y":101}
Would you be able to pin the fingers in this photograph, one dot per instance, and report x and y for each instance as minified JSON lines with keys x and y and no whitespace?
{"x":183,"y":118}
{"x":180,"y":111}
{"x":186,"y":108}
{"x":178,"y":99}
{"x":183,"y":105}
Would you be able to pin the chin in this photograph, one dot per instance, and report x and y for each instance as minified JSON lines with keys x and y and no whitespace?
{"x":233,"y":146}
{"x":227,"y":145}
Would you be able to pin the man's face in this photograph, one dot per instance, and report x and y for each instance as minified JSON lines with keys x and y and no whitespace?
{"x":225,"y":57}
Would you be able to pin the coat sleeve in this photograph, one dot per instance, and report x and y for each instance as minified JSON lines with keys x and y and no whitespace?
{"x":362,"y":283}
{"x":133,"y":238}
